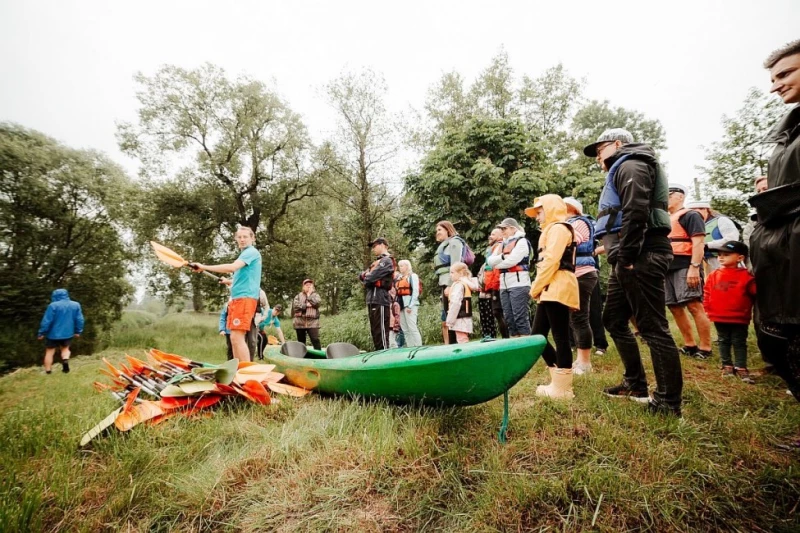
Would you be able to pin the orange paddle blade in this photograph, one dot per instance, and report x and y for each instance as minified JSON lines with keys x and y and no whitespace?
{"x":139,"y":413}
{"x":255,"y":391}
{"x":131,"y":398}
{"x":165,"y":255}
{"x":169,"y":403}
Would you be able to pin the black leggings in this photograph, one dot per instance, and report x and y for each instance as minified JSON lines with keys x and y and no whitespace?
{"x":313,"y":333}
{"x":580,"y":318}
{"x":554,"y":316}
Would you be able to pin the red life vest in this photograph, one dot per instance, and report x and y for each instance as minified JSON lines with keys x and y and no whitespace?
{"x":680,"y":240}
{"x":491,"y":278}
{"x":523,"y":263}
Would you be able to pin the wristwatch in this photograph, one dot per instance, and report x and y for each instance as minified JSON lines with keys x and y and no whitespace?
{"x":696,"y":265}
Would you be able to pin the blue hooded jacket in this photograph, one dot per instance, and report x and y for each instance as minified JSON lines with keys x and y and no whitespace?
{"x":63,"y":318}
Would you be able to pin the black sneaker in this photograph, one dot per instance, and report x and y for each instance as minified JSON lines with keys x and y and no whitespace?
{"x":703,"y":354}
{"x":623,"y":390}
{"x":691,"y":351}
{"x":658,"y":408}
{"x":65,"y":367}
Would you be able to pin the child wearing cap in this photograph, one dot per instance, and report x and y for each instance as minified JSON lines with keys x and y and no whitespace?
{"x":728,"y":300}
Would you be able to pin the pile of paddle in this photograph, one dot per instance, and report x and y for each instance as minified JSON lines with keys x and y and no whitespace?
{"x":168,"y":385}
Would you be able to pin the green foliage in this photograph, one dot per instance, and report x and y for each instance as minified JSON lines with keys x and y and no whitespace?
{"x":733,"y":164}
{"x":474,"y":177}
{"x":61,"y":214}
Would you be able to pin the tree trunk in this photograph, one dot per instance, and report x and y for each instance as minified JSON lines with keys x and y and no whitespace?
{"x":198,"y":301}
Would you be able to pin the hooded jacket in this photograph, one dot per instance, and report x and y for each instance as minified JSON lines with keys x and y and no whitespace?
{"x":551,"y":283}
{"x":775,"y":242}
{"x":63,"y":318}
{"x":643,"y":194}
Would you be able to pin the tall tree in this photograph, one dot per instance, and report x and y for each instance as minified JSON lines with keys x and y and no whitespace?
{"x":733,"y":163}
{"x":240,"y":134}
{"x":493,"y":93}
{"x":364,"y":144}
{"x":61,"y":215}
{"x":548,"y":102}
{"x":474,"y":177}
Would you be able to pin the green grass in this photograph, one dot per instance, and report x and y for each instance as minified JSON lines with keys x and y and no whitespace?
{"x":341,"y":464}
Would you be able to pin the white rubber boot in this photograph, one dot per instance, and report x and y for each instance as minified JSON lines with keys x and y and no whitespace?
{"x":560,"y":387}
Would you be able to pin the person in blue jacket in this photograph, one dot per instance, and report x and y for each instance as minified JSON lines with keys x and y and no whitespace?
{"x":62,"y":321}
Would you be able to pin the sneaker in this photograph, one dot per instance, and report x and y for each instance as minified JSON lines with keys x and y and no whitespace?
{"x":727,"y":371}
{"x":65,"y":367}
{"x":703,"y":354}
{"x":581,"y":368}
{"x":600,"y":351}
{"x":658,"y":408}
{"x":745,"y":376}
{"x":623,"y":390}
{"x":688,"y":350}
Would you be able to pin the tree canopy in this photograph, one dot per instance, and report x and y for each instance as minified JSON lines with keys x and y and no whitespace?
{"x":62,"y":212}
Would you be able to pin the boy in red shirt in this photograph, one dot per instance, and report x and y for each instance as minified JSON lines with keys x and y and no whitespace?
{"x":728,"y":300}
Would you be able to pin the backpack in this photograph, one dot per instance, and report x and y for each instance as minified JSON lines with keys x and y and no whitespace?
{"x":467,"y":255}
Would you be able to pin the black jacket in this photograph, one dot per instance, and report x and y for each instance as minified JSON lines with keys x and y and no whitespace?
{"x":643,"y":193}
{"x":775,"y":242}
{"x":378,"y":279}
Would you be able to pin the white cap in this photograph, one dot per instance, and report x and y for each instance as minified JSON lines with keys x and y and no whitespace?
{"x":700,"y":204}
{"x":677,"y":187}
{"x":574,"y":202}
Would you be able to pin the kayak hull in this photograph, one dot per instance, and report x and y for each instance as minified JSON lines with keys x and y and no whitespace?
{"x":455,"y":374}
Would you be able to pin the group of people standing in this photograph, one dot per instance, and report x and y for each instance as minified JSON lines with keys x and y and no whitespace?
{"x":656,"y":247}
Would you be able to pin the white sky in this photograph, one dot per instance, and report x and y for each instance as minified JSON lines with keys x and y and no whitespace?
{"x":67,"y":65}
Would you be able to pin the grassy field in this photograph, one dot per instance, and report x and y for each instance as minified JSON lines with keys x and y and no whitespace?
{"x":341,"y":464}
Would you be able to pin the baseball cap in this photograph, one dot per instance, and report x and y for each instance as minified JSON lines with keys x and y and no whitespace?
{"x":734,"y":247}
{"x":308,"y":280}
{"x":613,"y":134}
{"x":379,"y":240}
{"x":700,"y":204}
{"x":509,"y":223}
{"x":677,"y":187}
{"x":574,"y":202}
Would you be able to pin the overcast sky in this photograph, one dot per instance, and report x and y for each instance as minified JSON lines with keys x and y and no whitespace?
{"x":67,"y":65}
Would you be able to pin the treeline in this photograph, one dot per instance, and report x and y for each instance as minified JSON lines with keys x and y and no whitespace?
{"x":218,"y":152}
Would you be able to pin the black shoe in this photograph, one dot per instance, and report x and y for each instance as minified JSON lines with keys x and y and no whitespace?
{"x":703,"y":354}
{"x":65,"y":367}
{"x":691,"y":351}
{"x":623,"y":390}
{"x":658,"y":408}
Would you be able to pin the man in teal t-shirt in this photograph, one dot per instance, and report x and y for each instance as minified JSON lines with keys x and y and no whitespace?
{"x":245,"y":287}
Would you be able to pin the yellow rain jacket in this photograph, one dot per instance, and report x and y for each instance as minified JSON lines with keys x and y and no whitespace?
{"x":552,"y":284}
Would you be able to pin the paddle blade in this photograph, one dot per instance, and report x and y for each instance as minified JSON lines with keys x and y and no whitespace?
{"x":170,"y":403}
{"x":165,"y":255}
{"x":256,"y":392}
{"x":100,"y":427}
{"x":138,"y":414}
{"x":289,"y":390}
{"x":206,"y":400}
{"x":131,"y":398}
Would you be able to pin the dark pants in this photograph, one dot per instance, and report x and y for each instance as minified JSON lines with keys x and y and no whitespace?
{"x":516,"y":309}
{"x":596,"y":318}
{"x":579,"y":320}
{"x":497,"y":310}
{"x":230,"y":346}
{"x":251,"y":338}
{"x":554,"y":316}
{"x":379,"y":326}
{"x":782,"y":343}
{"x":639,"y":293}
{"x":488,"y":327}
{"x":313,"y":333}
{"x":732,"y":335}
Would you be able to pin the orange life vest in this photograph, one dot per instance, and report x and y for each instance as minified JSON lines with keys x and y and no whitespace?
{"x":680,"y":240}
{"x":491,"y":278}
{"x":404,"y":288}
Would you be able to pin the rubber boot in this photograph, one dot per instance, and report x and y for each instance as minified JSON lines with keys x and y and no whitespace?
{"x":560,"y":387}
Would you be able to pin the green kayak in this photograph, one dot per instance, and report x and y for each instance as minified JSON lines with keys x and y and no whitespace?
{"x":455,"y":374}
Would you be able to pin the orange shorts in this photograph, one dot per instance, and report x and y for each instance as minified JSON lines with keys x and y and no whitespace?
{"x":240,"y":314}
